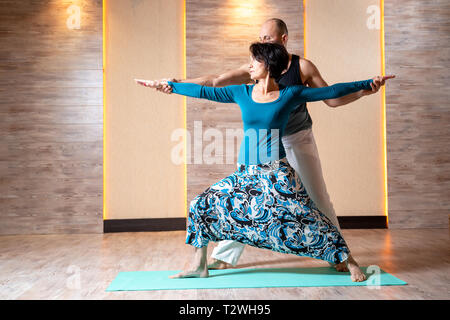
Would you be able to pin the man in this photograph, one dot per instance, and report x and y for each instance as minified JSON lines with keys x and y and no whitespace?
{"x":298,"y":139}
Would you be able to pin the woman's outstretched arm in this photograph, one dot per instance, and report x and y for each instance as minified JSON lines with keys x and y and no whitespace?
{"x":223,"y":94}
{"x":306,"y":94}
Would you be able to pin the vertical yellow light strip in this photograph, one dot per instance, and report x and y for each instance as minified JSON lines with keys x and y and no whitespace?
{"x":304,"y":29}
{"x":104,"y":108}
{"x":184,"y":109}
{"x":383,"y":103}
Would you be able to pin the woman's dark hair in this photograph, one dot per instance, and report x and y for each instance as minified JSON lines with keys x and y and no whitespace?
{"x":274,"y":56}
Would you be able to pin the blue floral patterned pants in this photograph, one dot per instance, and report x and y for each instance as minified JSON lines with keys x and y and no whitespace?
{"x":265,"y":206}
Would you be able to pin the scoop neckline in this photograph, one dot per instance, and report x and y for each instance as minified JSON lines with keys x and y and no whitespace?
{"x":279,"y":96}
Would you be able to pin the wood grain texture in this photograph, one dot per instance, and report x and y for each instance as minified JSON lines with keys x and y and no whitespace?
{"x":417,"y":41}
{"x":81,"y":266}
{"x":218,"y":35}
{"x":51,"y":124}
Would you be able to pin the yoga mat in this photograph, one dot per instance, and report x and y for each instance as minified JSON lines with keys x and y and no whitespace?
{"x":249,"y":278}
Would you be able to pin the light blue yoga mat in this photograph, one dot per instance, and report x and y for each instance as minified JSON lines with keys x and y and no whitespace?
{"x":249,"y":278}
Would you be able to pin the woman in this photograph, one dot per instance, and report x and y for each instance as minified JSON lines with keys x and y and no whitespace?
{"x":263,"y":203}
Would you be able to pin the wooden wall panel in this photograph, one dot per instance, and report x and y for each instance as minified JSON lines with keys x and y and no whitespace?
{"x":218,"y":35}
{"x":51,"y":125}
{"x":417,"y":40}
{"x":51,"y":106}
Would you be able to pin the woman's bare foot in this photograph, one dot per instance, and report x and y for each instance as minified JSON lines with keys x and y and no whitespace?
{"x":198,"y":269}
{"x":216,"y":264}
{"x":340,"y":267}
{"x":194,"y":273}
{"x":355,"y":272}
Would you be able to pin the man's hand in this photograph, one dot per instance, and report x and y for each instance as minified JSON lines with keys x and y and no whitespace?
{"x":378,"y":81}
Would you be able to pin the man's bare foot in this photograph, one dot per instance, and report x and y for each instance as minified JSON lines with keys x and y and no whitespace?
{"x":199,"y":269}
{"x":355,"y":272}
{"x":216,"y":264}
{"x":340,"y":267}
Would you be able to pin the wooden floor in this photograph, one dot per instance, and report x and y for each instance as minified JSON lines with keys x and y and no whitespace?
{"x":82,"y":266}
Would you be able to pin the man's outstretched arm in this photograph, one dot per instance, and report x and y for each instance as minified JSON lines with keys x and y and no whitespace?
{"x":314,"y":79}
{"x":232,"y":77}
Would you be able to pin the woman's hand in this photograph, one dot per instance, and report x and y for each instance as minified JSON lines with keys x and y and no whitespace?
{"x":165,"y":88}
{"x":378,"y":81}
{"x":156,"y":84}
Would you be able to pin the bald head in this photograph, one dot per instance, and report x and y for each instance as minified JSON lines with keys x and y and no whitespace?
{"x":279,"y":25}
{"x":274,"y":30}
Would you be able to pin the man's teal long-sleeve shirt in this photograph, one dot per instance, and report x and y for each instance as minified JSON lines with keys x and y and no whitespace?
{"x":264,"y":122}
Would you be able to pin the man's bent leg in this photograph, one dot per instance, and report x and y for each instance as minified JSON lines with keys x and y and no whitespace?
{"x":228,"y":251}
{"x":303,"y":156}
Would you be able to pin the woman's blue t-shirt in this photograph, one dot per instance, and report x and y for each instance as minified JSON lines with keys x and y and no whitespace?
{"x":264,"y":122}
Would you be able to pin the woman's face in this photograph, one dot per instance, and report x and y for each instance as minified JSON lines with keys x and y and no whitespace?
{"x":257,"y":69}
